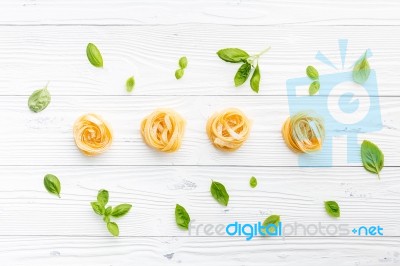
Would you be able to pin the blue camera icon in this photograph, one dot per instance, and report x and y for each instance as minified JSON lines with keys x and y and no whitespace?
{"x":348,"y":109}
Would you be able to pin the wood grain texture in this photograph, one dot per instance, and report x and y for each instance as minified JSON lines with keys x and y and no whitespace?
{"x":150,"y":251}
{"x":46,"y":138}
{"x":33,"y":56}
{"x":44,"y":41}
{"x":237,"y":12}
{"x":296,"y":194}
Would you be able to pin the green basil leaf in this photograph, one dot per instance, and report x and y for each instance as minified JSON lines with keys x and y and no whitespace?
{"x":255,"y":80}
{"x":312,"y":73}
{"x":102,"y":197}
{"x":332,"y":208}
{"x":242,"y":74}
{"x":183,"y":62}
{"x":253,"y":182}
{"x":108,"y":211}
{"x":120,"y":210}
{"x":113,"y":228}
{"x":179,"y":73}
{"x":372,"y":157}
{"x":130,"y":84}
{"x":361,"y":70}
{"x":94,"y":55}
{"x":39,"y":100}
{"x":314,"y":87}
{"x":106,"y":219}
{"x":233,"y":55}
{"x":272,"y":219}
{"x":52,"y":184}
{"x":182,"y":218}
{"x":97,"y":208}
{"x":219,"y":193}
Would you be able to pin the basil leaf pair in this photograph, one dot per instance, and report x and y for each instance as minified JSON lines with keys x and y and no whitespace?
{"x":313,"y":74}
{"x":183,"y":62}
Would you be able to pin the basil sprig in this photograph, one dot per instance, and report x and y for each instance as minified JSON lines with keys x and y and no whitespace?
{"x":99,"y":207}
{"x":236,"y":55}
{"x":182,"y":218}
{"x":332,"y":208}
{"x":372,"y":157}
{"x":52,"y":184}
{"x":219,"y":193}
{"x":39,"y":100}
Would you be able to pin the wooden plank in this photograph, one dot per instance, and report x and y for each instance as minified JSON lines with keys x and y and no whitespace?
{"x":46,"y":138}
{"x":32,"y":56}
{"x":191,"y":251}
{"x":256,"y":12}
{"x":297,"y":194}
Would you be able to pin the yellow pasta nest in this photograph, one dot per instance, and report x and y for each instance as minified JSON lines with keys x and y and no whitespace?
{"x":228,"y":129}
{"x":163,"y":130}
{"x":92,"y":135}
{"x":304,"y":132}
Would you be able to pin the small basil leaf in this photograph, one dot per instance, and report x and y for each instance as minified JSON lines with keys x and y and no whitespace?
{"x":183,"y":62}
{"x":130,"y":84}
{"x":113,"y":228}
{"x":219,"y":193}
{"x":272,"y":219}
{"x":102,"y":197}
{"x":179,"y":73}
{"x":182,"y":218}
{"x":39,"y":100}
{"x":233,"y":55}
{"x":253,"y":182}
{"x":242,"y":74}
{"x":97,"y":208}
{"x":332,"y":208}
{"x":120,"y":210}
{"x":312,"y":73}
{"x":255,"y":80}
{"x":94,"y":55}
{"x":52,"y":184}
{"x":361,"y":70}
{"x":372,"y":157}
{"x":314,"y":87}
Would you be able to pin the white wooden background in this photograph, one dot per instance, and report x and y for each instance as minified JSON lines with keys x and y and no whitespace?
{"x":45,"y":40}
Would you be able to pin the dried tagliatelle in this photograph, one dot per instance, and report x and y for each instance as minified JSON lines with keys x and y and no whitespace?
{"x":228,"y":129}
{"x":163,"y":130}
{"x":304,"y":132}
{"x":92,"y":134}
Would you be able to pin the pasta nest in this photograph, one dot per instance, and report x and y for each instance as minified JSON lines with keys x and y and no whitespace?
{"x":163,"y":130}
{"x":304,"y":132}
{"x":228,"y":129}
{"x":92,"y":134}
